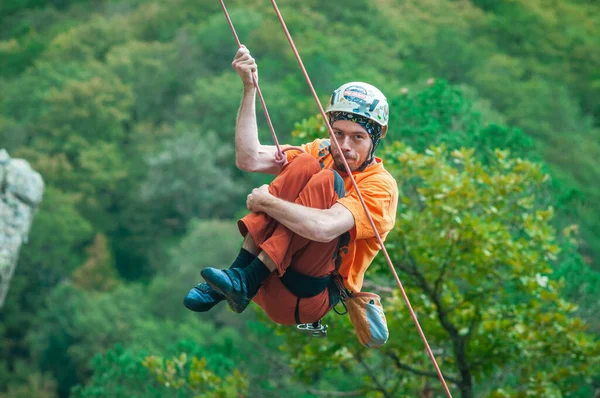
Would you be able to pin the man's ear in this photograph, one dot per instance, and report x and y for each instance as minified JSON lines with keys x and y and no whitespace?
{"x":384,"y":131}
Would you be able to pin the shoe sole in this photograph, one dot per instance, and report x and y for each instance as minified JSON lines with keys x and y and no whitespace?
{"x":235,"y":307}
{"x":200,"y":308}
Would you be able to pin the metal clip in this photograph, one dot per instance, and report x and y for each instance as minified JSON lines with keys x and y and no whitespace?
{"x":315,"y":329}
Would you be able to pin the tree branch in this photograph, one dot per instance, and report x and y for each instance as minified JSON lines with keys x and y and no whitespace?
{"x":473,"y":323}
{"x":372,"y":375}
{"x":433,"y":375}
{"x":458,"y":341}
{"x":438,"y":282}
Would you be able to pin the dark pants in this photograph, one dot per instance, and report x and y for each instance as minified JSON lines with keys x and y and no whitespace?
{"x":301,"y":181}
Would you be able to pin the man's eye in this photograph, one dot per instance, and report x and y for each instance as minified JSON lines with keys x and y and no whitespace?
{"x":337,"y":133}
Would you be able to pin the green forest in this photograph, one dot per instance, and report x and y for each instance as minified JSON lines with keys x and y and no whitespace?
{"x":127,"y":109}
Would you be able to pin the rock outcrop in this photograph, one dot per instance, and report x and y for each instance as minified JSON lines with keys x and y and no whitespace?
{"x":21,"y":190}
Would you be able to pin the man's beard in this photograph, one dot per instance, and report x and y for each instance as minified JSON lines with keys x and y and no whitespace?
{"x":339,"y":164}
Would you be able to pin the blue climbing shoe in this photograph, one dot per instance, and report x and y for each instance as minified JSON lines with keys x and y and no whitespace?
{"x":202,"y":298}
{"x":231,"y":284}
{"x":238,"y":285}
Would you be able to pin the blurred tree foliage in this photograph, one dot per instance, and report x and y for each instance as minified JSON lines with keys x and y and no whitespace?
{"x":124,"y":374}
{"x":127,"y":108}
{"x":475,"y":254}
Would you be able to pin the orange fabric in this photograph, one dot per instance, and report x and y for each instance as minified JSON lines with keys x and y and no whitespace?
{"x":304,"y":182}
{"x":380,"y":193}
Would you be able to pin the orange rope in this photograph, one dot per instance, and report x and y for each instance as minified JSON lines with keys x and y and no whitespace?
{"x":332,"y":135}
{"x":349,"y":172}
{"x":279,"y":157}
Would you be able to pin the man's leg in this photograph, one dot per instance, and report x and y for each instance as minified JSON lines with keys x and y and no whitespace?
{"x":322,"y":192}
{"x":315,"y":259}
{"x":287,"y":185}
{"x":311,"y":258}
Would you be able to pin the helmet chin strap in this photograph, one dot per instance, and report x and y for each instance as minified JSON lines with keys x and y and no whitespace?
{"x":370,"y":159}
{"x":365,"y":164}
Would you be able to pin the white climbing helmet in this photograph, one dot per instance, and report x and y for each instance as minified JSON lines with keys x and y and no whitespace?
{"x":361,"y":99}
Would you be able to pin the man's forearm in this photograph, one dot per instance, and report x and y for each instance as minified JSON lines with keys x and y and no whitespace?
{"x":305,"y":221}
{"x":247,"y":144}
{"x":250,"y":154}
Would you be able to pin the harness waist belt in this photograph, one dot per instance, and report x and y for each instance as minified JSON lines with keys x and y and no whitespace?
{"x":304,"y":286}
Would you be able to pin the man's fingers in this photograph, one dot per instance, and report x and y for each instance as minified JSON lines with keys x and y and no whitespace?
{"x":245,"y":58}
{"x":241,"y":52}
{"x":245,"y":68}
{"x":247,"y":64}
{"x":250,"y":63}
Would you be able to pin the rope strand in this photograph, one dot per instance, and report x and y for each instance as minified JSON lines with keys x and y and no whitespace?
{"x":281,"y":158}
{"x":332,"y":135}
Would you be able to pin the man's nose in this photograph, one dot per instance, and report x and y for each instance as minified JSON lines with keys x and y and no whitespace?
{"x":344,"y":143}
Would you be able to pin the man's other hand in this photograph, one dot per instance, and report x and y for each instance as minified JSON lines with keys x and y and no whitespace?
{"x":258,"y":199}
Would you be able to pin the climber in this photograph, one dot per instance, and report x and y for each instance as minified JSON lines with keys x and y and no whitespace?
{"x":307,"y":237}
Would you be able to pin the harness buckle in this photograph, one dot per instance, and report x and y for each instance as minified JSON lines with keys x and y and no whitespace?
{"x":315,"y":329}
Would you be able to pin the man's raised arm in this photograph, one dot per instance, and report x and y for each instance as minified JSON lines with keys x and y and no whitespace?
{"x":250,"y":154}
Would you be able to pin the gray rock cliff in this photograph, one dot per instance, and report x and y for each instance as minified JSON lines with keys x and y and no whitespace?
{"x":21,"y":190}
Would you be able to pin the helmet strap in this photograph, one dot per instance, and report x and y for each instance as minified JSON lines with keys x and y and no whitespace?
{"x":371,"y":157}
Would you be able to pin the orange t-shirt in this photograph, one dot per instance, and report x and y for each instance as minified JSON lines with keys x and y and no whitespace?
{"x":380,"y":193}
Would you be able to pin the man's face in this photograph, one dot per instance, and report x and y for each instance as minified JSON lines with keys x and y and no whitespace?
{"x":354,"y":144}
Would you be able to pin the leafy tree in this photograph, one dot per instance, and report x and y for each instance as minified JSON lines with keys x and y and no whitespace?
{"x":17,"y":54}
{"x":210,"y":102}
{"x":96,"y":94}
{"x":476,"y":256}
{"x":98,"y":272}
{"x":223,"y":45}
{"x":58,"y":236}
{"x":122,"y":373}
{"x":36,"y":385}
{"x":77,"y":324}
{"x":440,"y":113}
{"x":91,"y":40}
{"x":191,"y":177}
{"x":197,"y":380}
{"x":12,"y":134}
{"x":147,"y":68}
{"x":206,"y":243}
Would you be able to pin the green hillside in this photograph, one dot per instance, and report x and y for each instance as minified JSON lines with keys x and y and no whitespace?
{"x":127,"y":108}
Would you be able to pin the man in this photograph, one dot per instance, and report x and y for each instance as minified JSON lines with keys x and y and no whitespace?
{"x":308,"y":224}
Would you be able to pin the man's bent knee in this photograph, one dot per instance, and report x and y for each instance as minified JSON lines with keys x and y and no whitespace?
{"x":305,"y":160}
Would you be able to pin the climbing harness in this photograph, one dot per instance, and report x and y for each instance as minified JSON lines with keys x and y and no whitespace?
{"x":281,"y":159}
